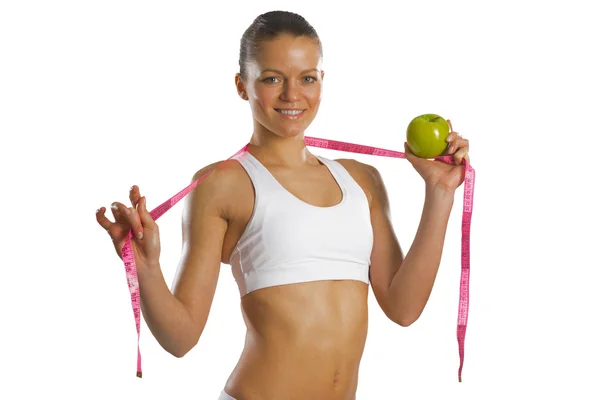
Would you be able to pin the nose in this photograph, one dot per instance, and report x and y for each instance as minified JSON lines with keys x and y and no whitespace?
{"x":291,"y":91}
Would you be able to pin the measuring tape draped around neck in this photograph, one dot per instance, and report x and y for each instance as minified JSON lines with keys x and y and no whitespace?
{"x":469,"y":183}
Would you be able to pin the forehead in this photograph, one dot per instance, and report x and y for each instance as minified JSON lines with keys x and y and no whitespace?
{"x":287,"y":51}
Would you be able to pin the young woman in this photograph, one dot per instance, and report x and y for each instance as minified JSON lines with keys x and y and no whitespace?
{"x":304,"y":235}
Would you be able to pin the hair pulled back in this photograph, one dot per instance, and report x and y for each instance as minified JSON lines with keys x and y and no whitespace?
{"x":269,"y":25}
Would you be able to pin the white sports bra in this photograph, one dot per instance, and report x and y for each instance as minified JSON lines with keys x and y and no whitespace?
{"x":289,"y":241}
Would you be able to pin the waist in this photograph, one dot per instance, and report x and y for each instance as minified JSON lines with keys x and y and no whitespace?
{"x":306,"y":339}
{"x":302,"y":373}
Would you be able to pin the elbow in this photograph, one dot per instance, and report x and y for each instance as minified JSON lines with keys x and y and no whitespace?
{"x":404,"y":322}
{"x":183,"y":348}
{"x":187,"y":341}
{"x":405,"y":319}
{"x":179,"y":353}
{"x":400,"y":319}
{"x":399,"y":311}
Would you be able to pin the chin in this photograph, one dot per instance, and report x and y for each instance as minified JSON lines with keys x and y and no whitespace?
{"x":288,"y":128}
{"x":289,"y":131}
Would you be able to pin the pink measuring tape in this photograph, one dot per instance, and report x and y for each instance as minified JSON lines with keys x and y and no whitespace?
{"x":469,"y":184}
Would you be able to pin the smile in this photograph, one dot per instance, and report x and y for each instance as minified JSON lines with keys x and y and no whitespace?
{"x":290,"y":113}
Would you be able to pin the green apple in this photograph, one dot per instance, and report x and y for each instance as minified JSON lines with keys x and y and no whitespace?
{"x":426,"y":135}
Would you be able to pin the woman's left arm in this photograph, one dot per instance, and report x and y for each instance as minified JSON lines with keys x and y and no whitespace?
{"x":402,"y":285}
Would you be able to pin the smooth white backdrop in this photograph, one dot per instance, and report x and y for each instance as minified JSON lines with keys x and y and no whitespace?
{"x":98,"y":96}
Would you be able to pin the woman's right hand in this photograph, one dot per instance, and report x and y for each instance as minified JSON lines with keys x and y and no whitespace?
{"x":145,"y":242}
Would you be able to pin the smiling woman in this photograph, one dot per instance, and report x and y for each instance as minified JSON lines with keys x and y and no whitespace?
{"x":304,"y":235}
{"x":281,"y":72}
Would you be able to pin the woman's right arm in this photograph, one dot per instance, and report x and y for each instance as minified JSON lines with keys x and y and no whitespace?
{"x":177,"y":318}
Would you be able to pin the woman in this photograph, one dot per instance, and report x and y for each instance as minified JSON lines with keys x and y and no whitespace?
{"x":304,"y":235}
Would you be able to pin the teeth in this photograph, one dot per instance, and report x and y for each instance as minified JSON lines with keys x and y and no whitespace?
{"x":289,"y":112}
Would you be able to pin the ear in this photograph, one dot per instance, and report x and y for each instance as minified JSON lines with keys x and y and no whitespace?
{"x":322,"y":74}
{"x":241,"y":87}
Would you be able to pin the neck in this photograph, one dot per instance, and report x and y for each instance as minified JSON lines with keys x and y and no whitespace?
{"x":287,"y":152}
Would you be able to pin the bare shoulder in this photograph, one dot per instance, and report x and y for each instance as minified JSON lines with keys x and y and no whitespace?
{"x":220,"y":188}
{"x":354,"y":166}
{"x":221,"y":174}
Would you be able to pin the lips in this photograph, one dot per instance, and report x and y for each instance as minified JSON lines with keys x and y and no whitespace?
{"x":290,"y":113}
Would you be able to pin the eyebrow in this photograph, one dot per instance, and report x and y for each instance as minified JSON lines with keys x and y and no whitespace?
{"x":279,"y":72}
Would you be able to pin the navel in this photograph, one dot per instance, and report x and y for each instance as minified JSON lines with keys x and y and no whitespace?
{"x":336,"y":378}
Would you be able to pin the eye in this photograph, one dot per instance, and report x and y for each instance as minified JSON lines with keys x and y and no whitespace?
{"x":270,"y":79}
{"x":310,"y":79}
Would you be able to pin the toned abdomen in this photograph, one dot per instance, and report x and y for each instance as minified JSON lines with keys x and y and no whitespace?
{"x":303,"y":341}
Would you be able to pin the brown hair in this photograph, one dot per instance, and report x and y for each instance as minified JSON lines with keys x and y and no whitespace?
{"x":267,"y":26}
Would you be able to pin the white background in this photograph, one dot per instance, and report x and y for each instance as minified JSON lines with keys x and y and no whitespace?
{"x":98,"y":96}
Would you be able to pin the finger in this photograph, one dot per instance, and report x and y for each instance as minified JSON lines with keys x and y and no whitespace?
{"x":452,"y":139}
{"x":459,"y":155}
{"x":458,"y":143}
{"x":145,"y":216}
{"x":450,"y":123}
{"x":465,"y":143}
{"x":455,"y":141}
{"x":116,"y":211}
{"x":451,"y":148}
{"x":131,"y":216}
{"x":452,"y":136}
{"x":102,"y":220}
{"x":134,"y":195}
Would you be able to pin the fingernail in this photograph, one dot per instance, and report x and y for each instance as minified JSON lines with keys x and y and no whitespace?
{"x":140,"y":235}
{"x":450,"y":149}
{"x":98,"y":210}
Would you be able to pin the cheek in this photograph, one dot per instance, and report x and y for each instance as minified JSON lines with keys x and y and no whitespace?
{"x":265,"y":96}
{"x":313,"y":93}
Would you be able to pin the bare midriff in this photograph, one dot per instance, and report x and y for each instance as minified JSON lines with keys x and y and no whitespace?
{"x":303,"y":341}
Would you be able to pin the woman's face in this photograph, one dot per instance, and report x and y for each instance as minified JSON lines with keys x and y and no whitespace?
{"x":284,"y":84}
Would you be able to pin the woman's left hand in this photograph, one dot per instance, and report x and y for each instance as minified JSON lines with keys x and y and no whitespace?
{"x":438,"y":173}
